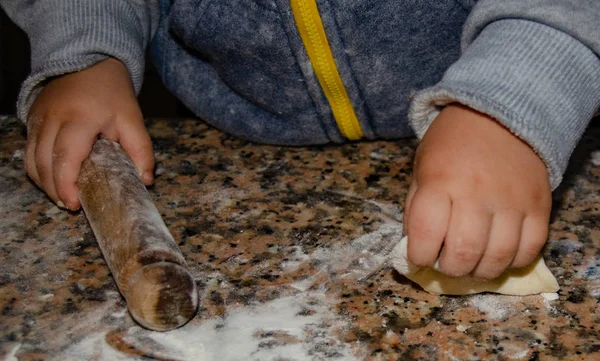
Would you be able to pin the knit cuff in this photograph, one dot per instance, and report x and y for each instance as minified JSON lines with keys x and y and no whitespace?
{"x":539,"y":82}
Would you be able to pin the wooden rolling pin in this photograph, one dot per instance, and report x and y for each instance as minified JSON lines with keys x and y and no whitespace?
{"x":141,"y":254}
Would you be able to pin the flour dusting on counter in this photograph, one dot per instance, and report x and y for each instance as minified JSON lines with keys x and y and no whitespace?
{"x":498,"y":307}
{"x":298,"y":327}
{"x":360,"y":258}
{"x":11,"y":356}
{"x":254,"y":220}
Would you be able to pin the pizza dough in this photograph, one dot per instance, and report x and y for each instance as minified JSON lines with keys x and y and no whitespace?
{"x":533,"y":279}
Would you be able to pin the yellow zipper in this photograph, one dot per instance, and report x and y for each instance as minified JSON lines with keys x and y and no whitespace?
{"x":312,"y":32}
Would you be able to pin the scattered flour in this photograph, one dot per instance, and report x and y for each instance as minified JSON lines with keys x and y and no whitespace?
{"x":451,"y":356}
{"x":296,"y":258}
{"x":498,"y":307}
{"x":12,"y":354}
{"x":462,"y":328}
{"x":179,"y":346}
{"x":595,"y":290}
{"x":120,"y":313}
{"x":297,"y":327}
{"x":553,"y":296}
{"x":46,"y":297}
{"x":307,"y":283}
{"x":589,"y":271}
{"x":94,"y":347}
{"x":18,"y":155}
{"x":388,"y":212}
{"x":220,"y":198}
{"x":377,"y":156}
{"x":514,"y":352}
{"x":595,"y":158}
{"x":363,"y":256}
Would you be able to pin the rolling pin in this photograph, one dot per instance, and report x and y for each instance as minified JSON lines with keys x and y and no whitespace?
{"x":141,"y":254}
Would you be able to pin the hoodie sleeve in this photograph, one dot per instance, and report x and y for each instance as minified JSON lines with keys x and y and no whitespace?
{"x":534,"y":66}
{"x":71,"y":35}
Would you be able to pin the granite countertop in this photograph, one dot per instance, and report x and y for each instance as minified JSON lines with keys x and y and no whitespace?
{"x":287,"y":247}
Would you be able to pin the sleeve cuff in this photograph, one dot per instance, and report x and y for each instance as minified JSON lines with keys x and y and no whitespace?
{"x":77,"y":34}
{"x":539,"y":82}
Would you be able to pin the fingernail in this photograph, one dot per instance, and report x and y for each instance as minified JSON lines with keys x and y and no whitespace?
{"x":60,"y":204}
{"x":147,"y":177}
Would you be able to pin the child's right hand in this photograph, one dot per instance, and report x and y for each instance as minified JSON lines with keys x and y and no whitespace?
{"x":479,"y":200}
{"x":67,"y":117}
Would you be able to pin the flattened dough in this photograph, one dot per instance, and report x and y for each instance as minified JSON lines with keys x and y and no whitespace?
{"x":533,"y":279}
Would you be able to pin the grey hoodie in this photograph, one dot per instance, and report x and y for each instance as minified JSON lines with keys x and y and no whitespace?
{"x":247,"y":67}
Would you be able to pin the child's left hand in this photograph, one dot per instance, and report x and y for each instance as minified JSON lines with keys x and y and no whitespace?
{"x":480,"y":198}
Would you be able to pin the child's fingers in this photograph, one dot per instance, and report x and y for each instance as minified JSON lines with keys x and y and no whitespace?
{"x":43,"y":154}
{"x":34,"y":124}
{"x":466,"y":239}
{"x":427,"y":224}
{"x":30,"y":162}
{"x":411,"y":193}
{"x":137,"y":144}
{"x":72,"y":146}
{"x":502,"y":247}
{"x":533,"y":237}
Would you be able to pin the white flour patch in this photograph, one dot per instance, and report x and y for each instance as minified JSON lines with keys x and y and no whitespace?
{"x":180,"y":347}
{"x":299,"y":327}
{"x":451,"y":356}
{"x":120,"y":314}
{"x":513,"y":352}
{"x":360,"y":258}
{"x":94,"y":347}
{"x":593,"y":288}
{"x":12,"y":354}
{"x":377,"y":156}
{"x":595,"y":291}
{"x":295,"y":259}
{"x":494,"y":306}
{"x":19,"y":154}
{"x":589,"y":271}
{"x":552,"y":296}
{"x":305,"y":284}
{"x":595,"y":158}
{"x":220,"y":198}
{"x":389,"y":212}
{"x":462,"y":328}
{"x":564,"y":245}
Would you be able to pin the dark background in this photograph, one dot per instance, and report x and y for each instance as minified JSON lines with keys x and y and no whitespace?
{"x":155,"y":100}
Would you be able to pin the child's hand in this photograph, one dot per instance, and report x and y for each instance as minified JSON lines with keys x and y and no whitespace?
{"x":67,"y":117}
{"x":479,"y":199}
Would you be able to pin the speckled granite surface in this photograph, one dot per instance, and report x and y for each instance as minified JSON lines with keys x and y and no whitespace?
{"x":286,"y":245}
